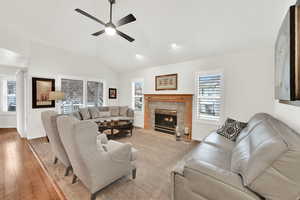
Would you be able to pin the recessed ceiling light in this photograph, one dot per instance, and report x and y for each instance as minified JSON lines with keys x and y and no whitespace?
{"x":139,"y":56}
{"x":175,"y":46}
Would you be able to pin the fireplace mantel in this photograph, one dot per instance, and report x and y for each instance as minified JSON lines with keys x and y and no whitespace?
{"x":187,"y":99}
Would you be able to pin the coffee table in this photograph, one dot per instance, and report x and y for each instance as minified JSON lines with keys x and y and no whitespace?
{"x":115,"y":127}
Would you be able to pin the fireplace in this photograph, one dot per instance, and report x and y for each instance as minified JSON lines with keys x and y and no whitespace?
{"x":165,"y":121}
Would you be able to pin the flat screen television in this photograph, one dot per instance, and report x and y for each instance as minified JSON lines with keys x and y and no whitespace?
{"x":287,"y":57}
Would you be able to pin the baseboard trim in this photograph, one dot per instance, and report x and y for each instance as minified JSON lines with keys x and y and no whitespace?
{"x":52,"y":181}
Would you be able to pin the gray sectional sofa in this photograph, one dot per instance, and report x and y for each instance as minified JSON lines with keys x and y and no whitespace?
{"x":263,"y":163}
{"x":104,"y":113}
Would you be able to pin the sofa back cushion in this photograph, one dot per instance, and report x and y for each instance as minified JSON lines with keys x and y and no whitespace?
{"x":114,"y":111}
{"x":105,"y":114}
{"x":103,"y":108}
{"x":252,"y":123}
{"x":123,"y":111}
{"x":95,"y":113}
{"x":267,"y":158}
{"x":85,"y":114}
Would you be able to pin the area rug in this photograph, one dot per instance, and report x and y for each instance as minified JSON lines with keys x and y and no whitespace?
{"x":158,"y":153}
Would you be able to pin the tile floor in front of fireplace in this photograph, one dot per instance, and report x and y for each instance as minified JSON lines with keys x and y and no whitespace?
{"x":158,"y":153}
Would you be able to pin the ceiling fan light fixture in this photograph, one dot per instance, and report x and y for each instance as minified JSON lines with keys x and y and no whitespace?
{"x":111,"y":31}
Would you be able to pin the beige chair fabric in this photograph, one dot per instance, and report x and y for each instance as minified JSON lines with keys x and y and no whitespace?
{"x":96,"y":169}
{"x":50,"y":126}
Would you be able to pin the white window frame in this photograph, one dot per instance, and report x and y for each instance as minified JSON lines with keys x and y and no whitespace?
{"x":85,"y":89}
{"x":4,"y":80}
{"x":133,"y":94}
{"x":85,"y":80}
{"x":212,"y":120}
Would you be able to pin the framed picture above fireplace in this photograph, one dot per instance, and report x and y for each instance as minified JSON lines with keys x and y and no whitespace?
{"x":166,"y":82}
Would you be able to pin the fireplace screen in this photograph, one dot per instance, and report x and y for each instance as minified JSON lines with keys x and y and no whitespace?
{"x":165,"y":121}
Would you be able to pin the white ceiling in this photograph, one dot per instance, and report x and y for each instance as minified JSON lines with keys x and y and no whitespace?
{"x":200,"y":27}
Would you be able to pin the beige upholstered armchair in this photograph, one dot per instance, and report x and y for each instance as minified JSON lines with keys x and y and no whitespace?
{"x":50,"y":126}
{"x":96,"y":161}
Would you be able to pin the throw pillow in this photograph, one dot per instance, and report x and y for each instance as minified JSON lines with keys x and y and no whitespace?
{"x":231,"y":129}
{"x":115,"y":111}
{"x":123,"y":111}
{"x":95,"y":113}
{"x":85,"y":113}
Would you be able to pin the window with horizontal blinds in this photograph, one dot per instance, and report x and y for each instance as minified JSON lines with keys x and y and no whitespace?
{"x":137,"y":95}
{"x":209,"y":96}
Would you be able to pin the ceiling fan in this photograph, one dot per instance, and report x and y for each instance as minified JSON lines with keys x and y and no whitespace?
{"x":110,"y":27}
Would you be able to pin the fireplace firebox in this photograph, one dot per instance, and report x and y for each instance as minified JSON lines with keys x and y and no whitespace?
{"x":165,"y":121}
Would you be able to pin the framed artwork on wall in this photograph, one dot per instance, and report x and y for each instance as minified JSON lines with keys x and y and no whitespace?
{"x":112,"y":93}
{"x":41,"y":87}
{"x":166,"y":82}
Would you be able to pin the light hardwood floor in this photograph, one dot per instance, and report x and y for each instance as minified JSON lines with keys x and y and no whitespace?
{"x":21,"y":176}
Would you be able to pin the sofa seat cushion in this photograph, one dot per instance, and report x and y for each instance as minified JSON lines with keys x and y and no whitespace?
{"x":219,"y":141}
{"x":213,"y":155}
{"x":210,"y":181}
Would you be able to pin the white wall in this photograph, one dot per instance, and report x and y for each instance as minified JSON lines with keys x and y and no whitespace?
{"x":249,"y":83}
{"x":49,"y":62}
{"x":288,"y":114}
{"x":7,"y":119}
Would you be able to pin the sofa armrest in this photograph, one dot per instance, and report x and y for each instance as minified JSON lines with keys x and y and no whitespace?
{"x":213,"y":182}
{"x":130,"y":113}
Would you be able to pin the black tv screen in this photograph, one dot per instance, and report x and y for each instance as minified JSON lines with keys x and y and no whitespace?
{"x":287,"y":60}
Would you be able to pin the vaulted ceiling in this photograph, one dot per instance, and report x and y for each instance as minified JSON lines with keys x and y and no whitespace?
{"x":199,"y":27}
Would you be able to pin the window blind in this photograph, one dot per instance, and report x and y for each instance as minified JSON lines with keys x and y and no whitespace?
{"x":209,"y":99}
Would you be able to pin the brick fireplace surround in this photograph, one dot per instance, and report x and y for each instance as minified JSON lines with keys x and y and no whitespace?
{"x":187,"y":99}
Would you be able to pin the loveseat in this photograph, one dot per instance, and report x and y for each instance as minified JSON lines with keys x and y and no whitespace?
{"x":263,"y":163}
{"x":104,"y":113}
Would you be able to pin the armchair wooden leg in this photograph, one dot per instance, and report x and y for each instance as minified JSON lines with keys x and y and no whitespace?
{"x":68,"y":171}
{"x":74,"y":179}
{"x":55,"y":160}
{"x":93,"y":196}
{"x":134,"y":173}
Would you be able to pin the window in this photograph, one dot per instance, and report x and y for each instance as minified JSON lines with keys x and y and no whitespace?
{"x":209,"y":96}
{"x":94,"y":93}
{"x":137,"y":95}
{"x":11,"y":96}
{"x":73,"y":90}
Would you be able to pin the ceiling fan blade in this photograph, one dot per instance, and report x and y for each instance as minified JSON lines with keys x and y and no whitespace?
{"x":98,"y":33}
{"x":89,"y":16}
{"x":126,"y":20}
{"x":123,"y":35}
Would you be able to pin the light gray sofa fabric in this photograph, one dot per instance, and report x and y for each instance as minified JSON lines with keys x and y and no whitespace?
{"x":94,"y":112}
{"x":50,"y":126}
{"x":105,"y":113}
{"x":96,"y":169}
{"x":114,"y":111}
{"x":263,"y":163}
